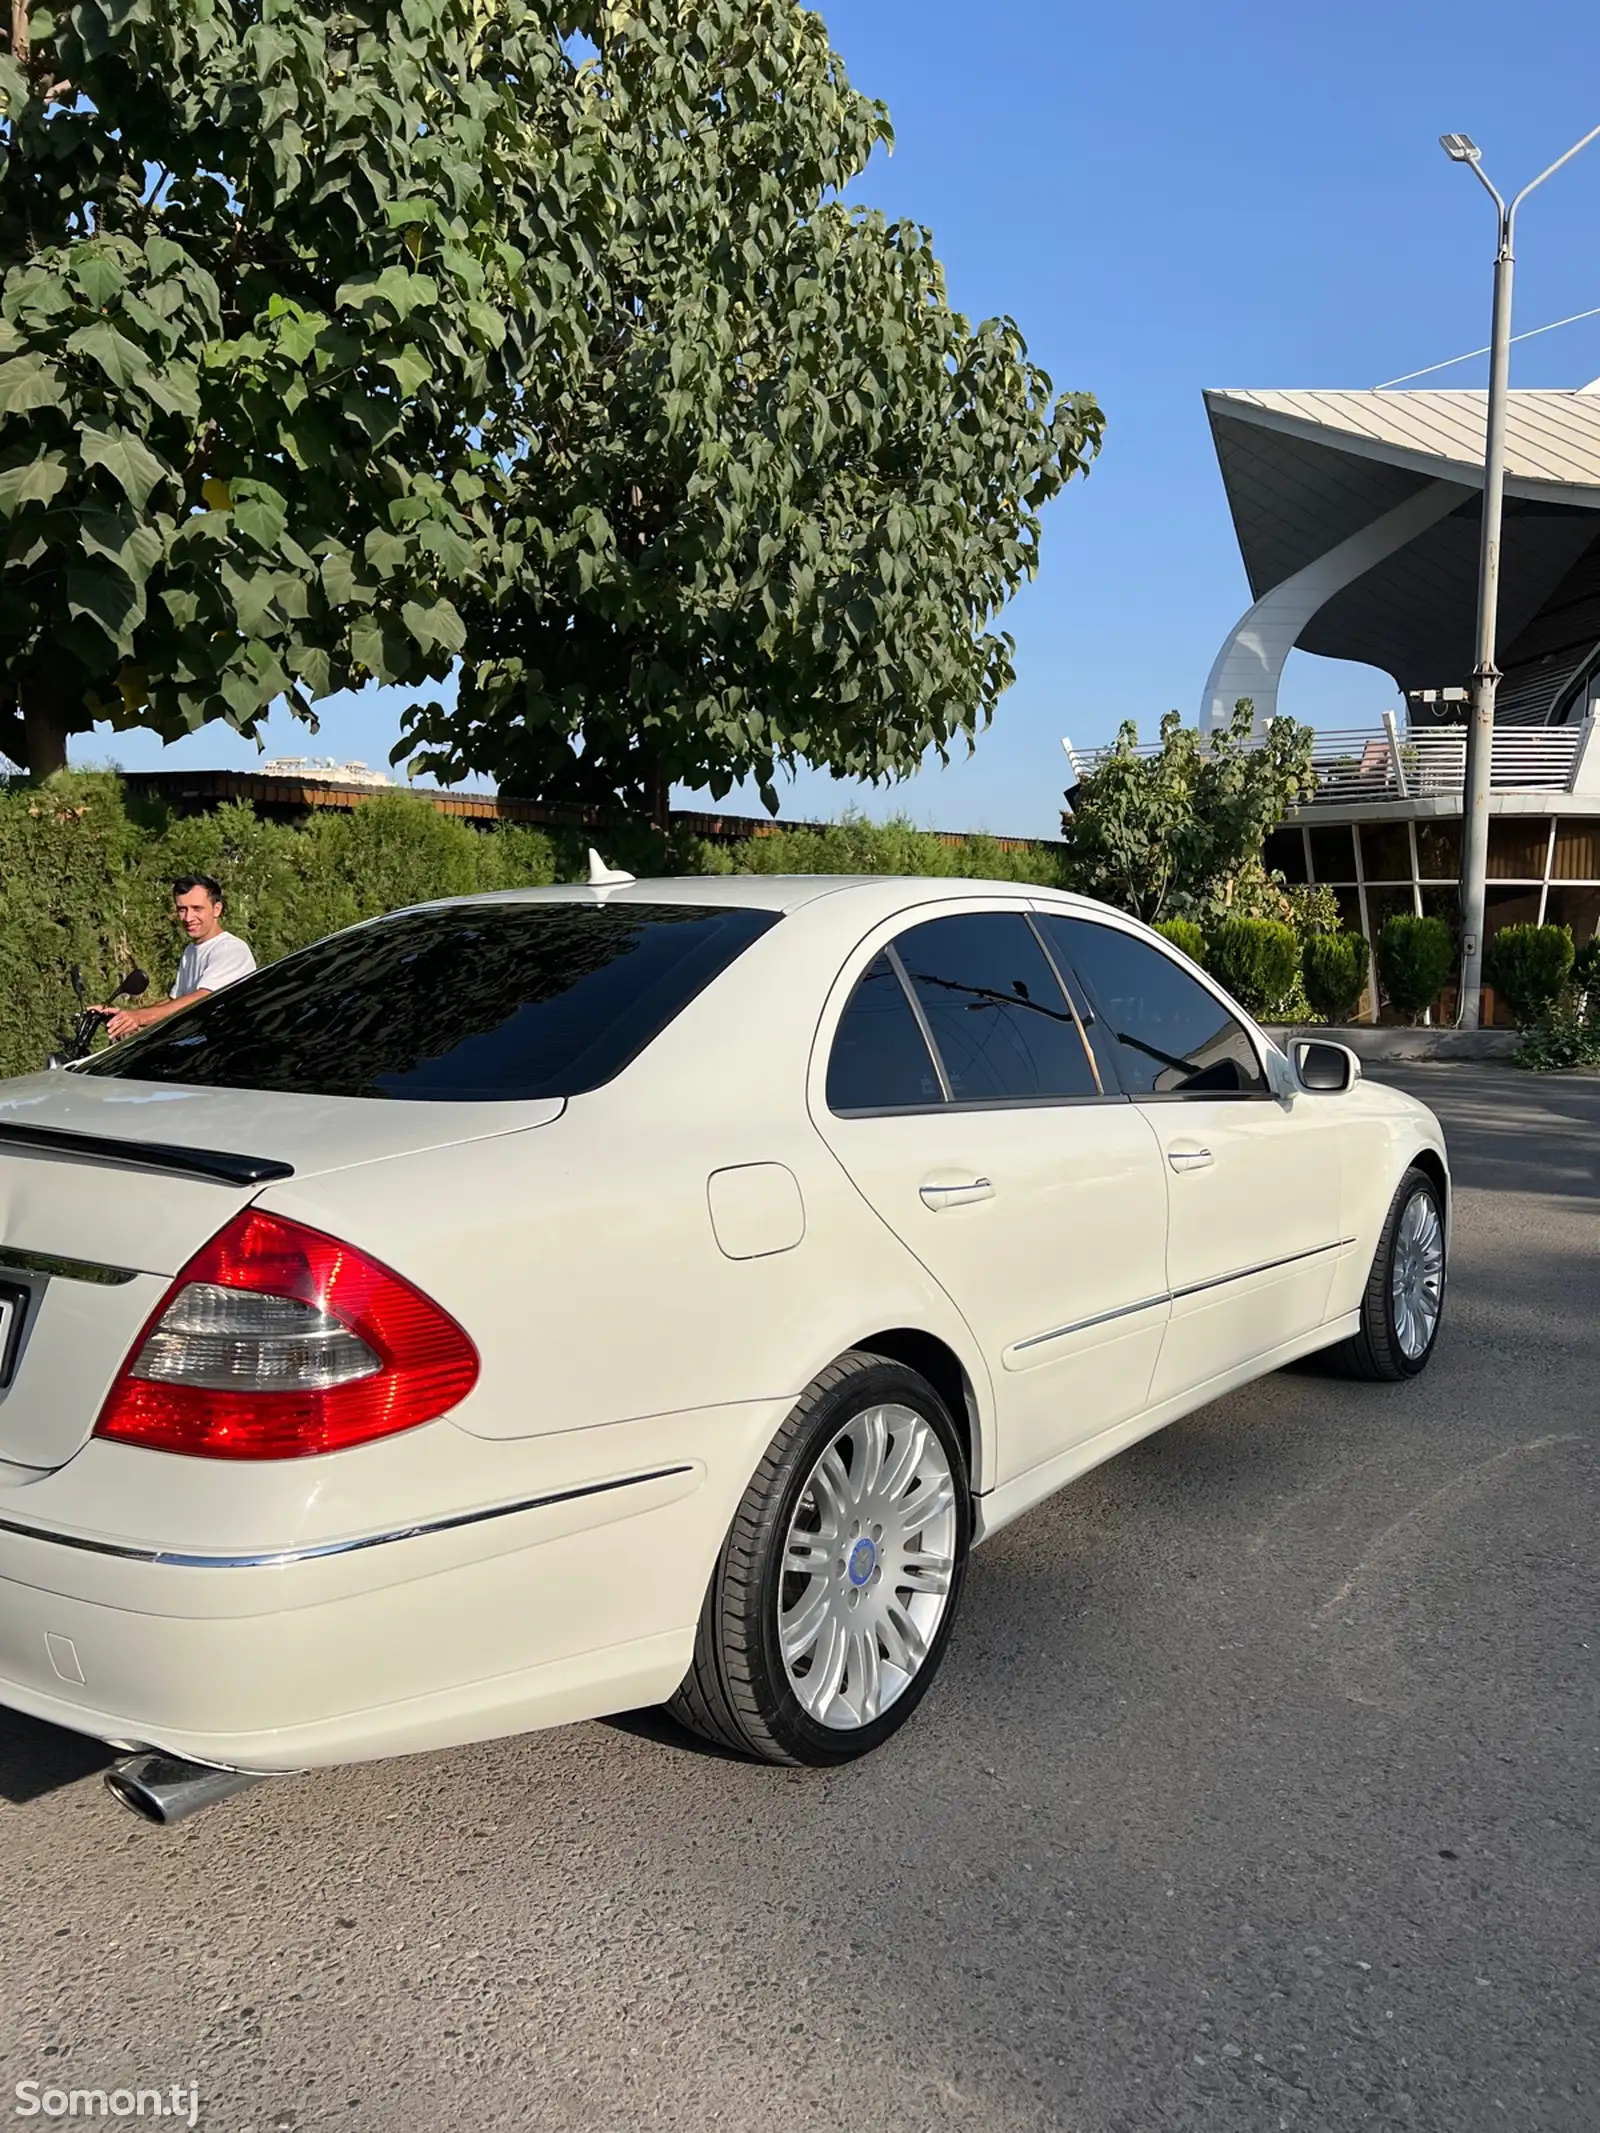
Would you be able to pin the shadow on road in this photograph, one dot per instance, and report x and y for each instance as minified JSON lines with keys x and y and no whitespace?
{"x":36,"y":1758}
{"x":1510,"y":1131}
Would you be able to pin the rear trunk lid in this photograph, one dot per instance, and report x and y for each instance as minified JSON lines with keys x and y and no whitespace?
{"x":108,"y":1187}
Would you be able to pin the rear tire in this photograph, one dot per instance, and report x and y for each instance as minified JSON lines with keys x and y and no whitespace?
{"x":837,"y":1587}
{"x":1402,"y":1306}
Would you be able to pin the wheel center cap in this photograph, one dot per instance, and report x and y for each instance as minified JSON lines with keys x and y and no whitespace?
{"x":863,"y":1561}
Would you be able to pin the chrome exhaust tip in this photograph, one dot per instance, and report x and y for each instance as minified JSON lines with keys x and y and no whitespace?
{"x":165,"y":1789}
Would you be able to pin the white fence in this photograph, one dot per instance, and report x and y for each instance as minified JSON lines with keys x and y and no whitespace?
{"x":1361,"y":764}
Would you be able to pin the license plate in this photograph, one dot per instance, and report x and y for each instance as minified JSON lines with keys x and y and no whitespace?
{"x":13,"y":1309}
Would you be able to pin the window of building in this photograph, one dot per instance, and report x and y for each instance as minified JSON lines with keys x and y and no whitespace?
{"x":1577,"y":908}
{"x":1333,"y":855}
{"x":880,"y":1059}
{"x":1285,"y":854}
{"x":1386,"y":851}
{"x":1004,"y":1030}
{"x":1384,"y":904}
{"x":1577,"y":852}
{"x":1446,"y":904}
{"x":1518,"y":847}
{"x":1439,"y":850}
{"x":1173,"y":1036}
{"x":1509,"y":907}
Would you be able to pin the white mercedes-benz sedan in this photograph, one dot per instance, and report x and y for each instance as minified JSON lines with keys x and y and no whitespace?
{"x":527,"y":1307}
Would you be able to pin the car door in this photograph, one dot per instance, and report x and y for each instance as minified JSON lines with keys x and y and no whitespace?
{"x":962,"y":1099}
{"x":1253,"y":1179}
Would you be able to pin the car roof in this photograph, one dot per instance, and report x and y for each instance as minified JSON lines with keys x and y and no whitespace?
{"x":778,"y":892}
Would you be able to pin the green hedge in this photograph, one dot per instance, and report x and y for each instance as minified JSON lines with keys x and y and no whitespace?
{"x":1186,"y":937}
{"x":1415,"y":958}
{"x":1529,"y":967}
{"x":1334,"y":971}
{"x":1257,"y":959}
{"x":85,"y":877}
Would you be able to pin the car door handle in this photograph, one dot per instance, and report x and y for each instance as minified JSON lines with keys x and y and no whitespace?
{"x":960,"y":1194}
{"x":1183,"y":1159}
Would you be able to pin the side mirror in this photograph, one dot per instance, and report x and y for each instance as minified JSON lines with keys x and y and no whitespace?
{"x":1326,"y":1068}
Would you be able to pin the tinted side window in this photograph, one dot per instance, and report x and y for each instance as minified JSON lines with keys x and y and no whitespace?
{"x":465,"y":1003}
{"x":1172,"y":1036}
{"x":997,"y":1013}
{"x":880,"y":1060}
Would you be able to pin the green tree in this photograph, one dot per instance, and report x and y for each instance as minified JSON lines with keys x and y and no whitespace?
{"x":1529,"y":967}
{"x":1415,"y":957}
{"x":1334,"y":967}
{"x":785,"y":489}
{"x":265,"y":267}
{"x":1180,"y":833}
{"x":1257,"y":959}
{"x":1186,"y":936}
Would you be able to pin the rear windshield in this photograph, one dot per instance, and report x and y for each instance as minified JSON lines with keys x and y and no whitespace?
{"x":468,"y":1004}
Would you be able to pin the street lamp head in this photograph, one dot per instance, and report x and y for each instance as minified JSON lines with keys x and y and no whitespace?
{"x":1460,"y":147}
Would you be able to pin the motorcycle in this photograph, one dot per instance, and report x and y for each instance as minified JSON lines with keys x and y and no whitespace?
{"x":90,"y":1019}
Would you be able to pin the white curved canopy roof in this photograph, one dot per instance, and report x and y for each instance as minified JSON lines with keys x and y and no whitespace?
{"x":1357,"y":515}
{"x":1552,"y":438}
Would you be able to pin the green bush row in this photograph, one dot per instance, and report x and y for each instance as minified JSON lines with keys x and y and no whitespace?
{"x":86,"y":870}
{"x":85,"y":873}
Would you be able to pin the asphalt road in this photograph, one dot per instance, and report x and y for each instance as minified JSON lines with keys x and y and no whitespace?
{"x":1259,"y":1792}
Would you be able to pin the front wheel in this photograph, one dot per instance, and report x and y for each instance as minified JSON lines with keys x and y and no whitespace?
{"x":836,"y":1589}
{"x":1404,"y":1298}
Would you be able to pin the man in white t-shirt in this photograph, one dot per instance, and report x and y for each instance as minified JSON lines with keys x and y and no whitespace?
{"x":212,"y":959}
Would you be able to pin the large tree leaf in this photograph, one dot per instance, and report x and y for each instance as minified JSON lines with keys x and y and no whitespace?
{"x":436,"y":626}
{"x":122,"y":360}
{"x":100,"y":593}
{"x":29,"y":382}
{"x":125,"y":459}
{"x":36,"y":481}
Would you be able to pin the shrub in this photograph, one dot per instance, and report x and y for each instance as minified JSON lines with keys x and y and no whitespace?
{"x":1186,"y":936}
{"x":1334,"y":968}
{"x":1528,"y":966}
{"x":1586,"y":967}
{"x":854,"y":845}
{"x":1312,"y":909}
{"x":1415,"y":957}
{"x":1567,"y":1034}
{"x":1257,"y":959}
{"x":85,"y":878}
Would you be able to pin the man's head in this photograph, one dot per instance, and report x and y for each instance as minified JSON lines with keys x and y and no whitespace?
{"x":197,"y":905}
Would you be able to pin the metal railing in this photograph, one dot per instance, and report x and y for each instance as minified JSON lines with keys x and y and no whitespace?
{"x":1359,"y":763}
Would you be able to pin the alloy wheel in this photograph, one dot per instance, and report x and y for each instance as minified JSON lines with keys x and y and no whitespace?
{"x":1416,"y":1278}
{"x":868,"y":1566}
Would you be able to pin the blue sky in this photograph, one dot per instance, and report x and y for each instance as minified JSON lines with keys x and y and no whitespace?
{"x":1168,"y":197}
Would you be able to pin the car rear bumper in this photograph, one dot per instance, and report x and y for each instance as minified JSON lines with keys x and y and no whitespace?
{"x":551,"y":1604}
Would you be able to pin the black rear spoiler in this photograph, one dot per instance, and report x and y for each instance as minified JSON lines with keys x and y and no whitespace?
{"x":217,"y":1164}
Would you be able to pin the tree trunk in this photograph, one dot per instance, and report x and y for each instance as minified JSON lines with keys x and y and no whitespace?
{"x":44,"y":738}
{"x":658,"y":793}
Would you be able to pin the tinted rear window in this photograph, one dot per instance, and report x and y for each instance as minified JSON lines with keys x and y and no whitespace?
{"x":469,"y":1004}
{"x":880,"y":1060}
{"x":998,"y":1015}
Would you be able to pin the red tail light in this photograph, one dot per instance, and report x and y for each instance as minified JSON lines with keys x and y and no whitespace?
{"x":276,"y":1341}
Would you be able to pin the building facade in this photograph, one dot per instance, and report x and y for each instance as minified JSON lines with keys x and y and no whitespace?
{"x":1358,"y":517}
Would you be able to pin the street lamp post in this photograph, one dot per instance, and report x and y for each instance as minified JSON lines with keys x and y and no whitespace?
{"x":1485,"y":674}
